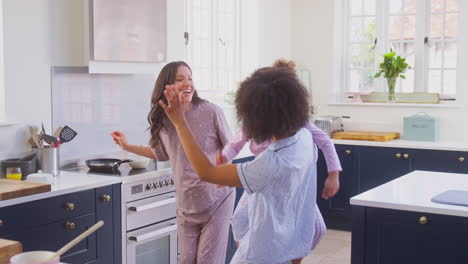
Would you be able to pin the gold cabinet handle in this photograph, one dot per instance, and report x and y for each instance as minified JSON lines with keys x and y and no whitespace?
{"x":461,"y":159}
{"x":70,"y":206}
{"x":405,"y":156}
{"x":348,"y":152}
{"x":70,"y":225}
{"x":423,"y":220}
{"x":1,"y":223}
{"x":106,"y":198}
{"x":398,"y":155}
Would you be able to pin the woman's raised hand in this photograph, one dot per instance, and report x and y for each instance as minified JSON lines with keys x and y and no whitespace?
{"x":120,"y":139}
{"x":174,"y":108}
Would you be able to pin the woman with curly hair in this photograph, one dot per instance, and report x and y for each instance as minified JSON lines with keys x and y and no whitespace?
{"x":271,"y":104}
{"x":203,"y":210}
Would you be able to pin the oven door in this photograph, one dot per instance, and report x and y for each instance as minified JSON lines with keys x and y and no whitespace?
{"x":153,"y":244}
{"x":151,"y":210}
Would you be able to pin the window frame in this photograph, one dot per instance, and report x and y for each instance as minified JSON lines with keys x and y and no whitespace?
{"x":214,"y":39}
{"x":343,"y":42}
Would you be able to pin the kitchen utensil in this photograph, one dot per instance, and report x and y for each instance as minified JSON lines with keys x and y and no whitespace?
{"x":49,"y":139}
{"x":77,"y":240}
{"x":9,"y":248}
{"x":105,"y":164}
{"x":329,"y":124}
{"x":57,"y":132}
{"x":34,"y":136}
{"x":12,"y":189}
{"x":366,"y":135}
{"x":67,"y":134}
{"x":50,"y":160}
{"x":43,"y":130}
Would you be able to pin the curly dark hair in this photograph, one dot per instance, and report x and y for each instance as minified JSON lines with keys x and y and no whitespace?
{"x":272,"y":102}
{"x":157,"y":117}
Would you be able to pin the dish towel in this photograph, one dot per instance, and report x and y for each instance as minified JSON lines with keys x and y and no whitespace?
{"x":453,"y":197}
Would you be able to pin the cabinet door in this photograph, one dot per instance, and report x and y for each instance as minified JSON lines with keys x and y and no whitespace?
{"x":401,"y":237}
{"x":438,"y":160}
{"x":54,"y":236}
{"x":376,"y":166}
{"x":336,"y":210}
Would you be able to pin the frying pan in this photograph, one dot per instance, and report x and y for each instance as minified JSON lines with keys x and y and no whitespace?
{"x":105,"y":164}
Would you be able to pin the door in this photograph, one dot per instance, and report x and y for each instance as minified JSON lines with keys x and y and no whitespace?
{"x":439,"y":160}
{"x":377,"y":165}
{"x":337,"y":210}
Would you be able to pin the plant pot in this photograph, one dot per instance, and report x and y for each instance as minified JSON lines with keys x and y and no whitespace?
{"x":391,"y":82}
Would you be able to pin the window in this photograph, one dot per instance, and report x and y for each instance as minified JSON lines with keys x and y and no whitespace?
{"x":213,"y":46}
{"x":2,"y":73}
{"x":422,"y":31}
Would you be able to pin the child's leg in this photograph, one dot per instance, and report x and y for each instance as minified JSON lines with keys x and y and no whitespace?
{"x":214,"y":235}
{"x":319,"y":226}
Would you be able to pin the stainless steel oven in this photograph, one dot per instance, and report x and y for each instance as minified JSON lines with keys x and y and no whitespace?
{"x":149,"y":224}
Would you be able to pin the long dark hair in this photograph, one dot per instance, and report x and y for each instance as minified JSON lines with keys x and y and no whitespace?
{"x":156,"y":116}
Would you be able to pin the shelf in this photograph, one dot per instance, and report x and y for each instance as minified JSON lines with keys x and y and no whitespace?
{"x":399,"y":105}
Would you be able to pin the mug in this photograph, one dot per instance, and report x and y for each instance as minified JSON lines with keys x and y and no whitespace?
{"x":34,"y":257}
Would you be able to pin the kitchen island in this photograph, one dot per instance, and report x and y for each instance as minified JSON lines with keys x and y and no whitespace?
{"x":397,"y":223}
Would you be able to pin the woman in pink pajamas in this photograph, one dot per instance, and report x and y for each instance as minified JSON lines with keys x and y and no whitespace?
{"x":203,"y":210}
{"x":331,"y":185}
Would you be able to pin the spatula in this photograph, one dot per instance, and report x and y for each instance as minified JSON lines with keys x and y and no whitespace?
{"x":67,"y":134}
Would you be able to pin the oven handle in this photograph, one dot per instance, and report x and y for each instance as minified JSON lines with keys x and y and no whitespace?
{"x":156,"y":233}
{"x":152,"y":205}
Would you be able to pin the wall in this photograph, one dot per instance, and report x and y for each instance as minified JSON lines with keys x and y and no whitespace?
{"x":39,"y":34}
{"x":312,"y":46}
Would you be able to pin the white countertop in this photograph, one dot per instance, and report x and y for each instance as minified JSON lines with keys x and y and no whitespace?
{"x":67,"y":182}
{"x":413,"y":192}
{"x":401,"y":143}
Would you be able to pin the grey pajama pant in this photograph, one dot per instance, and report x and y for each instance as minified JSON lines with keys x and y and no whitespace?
{"x":203,"y":237}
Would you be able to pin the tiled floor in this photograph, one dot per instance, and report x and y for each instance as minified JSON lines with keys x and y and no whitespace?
{"x":334,"y":248}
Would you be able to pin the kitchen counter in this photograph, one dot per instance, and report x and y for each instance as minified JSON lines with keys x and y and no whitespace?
{"x":401,"y":143}
{"x":67,"y":182}
{"x":413,"y":192}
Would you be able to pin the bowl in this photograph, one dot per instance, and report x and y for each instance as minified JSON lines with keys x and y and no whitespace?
{"x":34,"y":257}
{"x":140,"y":163}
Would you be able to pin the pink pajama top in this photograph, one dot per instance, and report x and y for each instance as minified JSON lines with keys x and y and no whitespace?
{"x":210,"y":129}
{"x":320,"y":138}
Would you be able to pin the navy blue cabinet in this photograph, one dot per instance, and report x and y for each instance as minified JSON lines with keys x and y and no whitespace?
{"x":337,"y":210}
{"x":375,"y":166}
{"x":367,"y":167}
{"x":439,"y":160}
{"x":50,"y":223}
{"x":385,"y":236}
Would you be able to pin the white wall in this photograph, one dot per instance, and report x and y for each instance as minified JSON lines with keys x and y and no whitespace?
{"x":39,"y":34}
{"x":312,"y":46}
{"x":2,"y":91}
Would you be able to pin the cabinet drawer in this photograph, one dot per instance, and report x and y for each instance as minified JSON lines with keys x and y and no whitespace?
{"x":18,"y":217}
{"x":54,"y":236}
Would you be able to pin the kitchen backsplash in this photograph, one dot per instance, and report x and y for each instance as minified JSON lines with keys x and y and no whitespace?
{"x":95,"y":105}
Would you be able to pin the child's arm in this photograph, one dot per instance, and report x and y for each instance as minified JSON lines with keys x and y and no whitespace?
{"x":332,"y":183}
{"x":234,"y":146}
{"x":224,"y":174}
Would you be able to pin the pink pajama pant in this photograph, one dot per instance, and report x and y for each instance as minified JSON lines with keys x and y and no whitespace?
{"x":203,"y":237}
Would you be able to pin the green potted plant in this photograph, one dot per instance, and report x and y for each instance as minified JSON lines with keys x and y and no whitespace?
{"x":392,"y":67}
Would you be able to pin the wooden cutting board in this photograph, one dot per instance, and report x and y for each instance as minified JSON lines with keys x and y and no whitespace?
{"x":366,"y":135}
{"x":9,"y":248}
{"x":10,"y":189}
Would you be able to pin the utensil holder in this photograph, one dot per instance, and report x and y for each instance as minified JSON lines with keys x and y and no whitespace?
{"x":50,"y":160}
